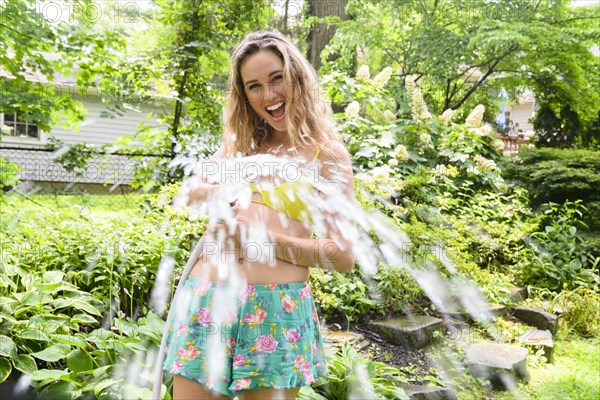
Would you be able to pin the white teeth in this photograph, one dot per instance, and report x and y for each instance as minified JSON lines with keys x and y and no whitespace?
{"x":275,"y":107}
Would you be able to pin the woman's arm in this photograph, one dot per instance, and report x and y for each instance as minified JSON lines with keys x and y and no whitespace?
{"x":199,"y":187}
{"x":335,"y":251}
{"x":318,"y":253}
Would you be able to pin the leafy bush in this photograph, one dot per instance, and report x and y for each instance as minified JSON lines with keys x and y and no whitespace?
{"x":8,"y":175}
{"x":398,"y":292}
{"x":341,"y":295}
{"x":557,"y":175}
{"x":352,"y":375}
{"x":51,"y":331}
{"x":554,"y":258}
{"x":492,"y":225}
{"x":113,"y":255}
{"x":394,"y":148}
{"x":579,"y":308}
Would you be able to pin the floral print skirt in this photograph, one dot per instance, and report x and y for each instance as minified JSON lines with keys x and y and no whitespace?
{"x":250,"y":337}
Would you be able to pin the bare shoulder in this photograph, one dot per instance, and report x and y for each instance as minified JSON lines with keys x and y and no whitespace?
{"x":340,"y":154}
{"x":336,"y":164}
{"x":220,"y":153}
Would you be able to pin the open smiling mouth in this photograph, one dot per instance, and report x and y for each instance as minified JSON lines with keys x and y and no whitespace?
{"x":276,"y":111}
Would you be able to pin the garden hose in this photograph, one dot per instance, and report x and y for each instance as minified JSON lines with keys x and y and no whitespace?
{"x":158,"y":372}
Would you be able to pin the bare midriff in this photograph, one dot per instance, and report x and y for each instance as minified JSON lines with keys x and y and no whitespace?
{"x":244,"y":262}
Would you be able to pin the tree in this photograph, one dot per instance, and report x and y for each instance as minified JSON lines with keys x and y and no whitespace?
{"x":38,"y":44}
{"x":321,"y":31}
{"x":192,"y":40}
{"x":458,"y":52}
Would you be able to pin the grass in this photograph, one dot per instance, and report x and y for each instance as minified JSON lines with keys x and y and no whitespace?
{"x":94,"y":202}
{"x":575,"y":374}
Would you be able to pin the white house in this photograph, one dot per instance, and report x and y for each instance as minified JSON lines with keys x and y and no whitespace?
{"x":23,"y":143}
{"x":518,"y":115}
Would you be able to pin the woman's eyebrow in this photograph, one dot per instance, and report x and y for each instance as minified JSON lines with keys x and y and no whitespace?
{"x":271,"y":74}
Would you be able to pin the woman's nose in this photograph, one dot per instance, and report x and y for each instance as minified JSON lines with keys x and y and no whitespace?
{"x":269,"y":92}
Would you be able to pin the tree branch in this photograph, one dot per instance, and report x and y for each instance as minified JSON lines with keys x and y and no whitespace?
{"x":491,"y":70}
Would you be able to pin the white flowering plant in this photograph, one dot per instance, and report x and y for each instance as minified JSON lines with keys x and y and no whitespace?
{"x":473,"y":148}
{"x":369,"y":122}
{"x":391,"y":143}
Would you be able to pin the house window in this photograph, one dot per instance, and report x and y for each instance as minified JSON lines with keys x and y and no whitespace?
{"x":14,"y":126}
{"x":507,"y":120}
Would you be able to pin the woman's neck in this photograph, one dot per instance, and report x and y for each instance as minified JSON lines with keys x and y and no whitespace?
{"x":276,"y":141}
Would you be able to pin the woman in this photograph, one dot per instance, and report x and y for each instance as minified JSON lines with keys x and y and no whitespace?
{"x":260,"y":339}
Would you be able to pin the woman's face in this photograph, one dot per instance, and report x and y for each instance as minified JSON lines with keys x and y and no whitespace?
{"x":262,"y":77}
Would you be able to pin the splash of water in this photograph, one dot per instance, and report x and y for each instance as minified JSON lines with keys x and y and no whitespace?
{"x":334,"y":215}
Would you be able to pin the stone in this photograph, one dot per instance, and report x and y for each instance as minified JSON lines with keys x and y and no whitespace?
{"x":517,"y":294}
{"x":414,"y":332}
{"x":458,"y":331}
{"x":502,"y":364}
{"x":333,"y":340}
{"x":539,"y":339}
{"x":495,"y":310}
{"x":536,"y":317}
{"x":363,"y":345}
{"x":416,"y":392}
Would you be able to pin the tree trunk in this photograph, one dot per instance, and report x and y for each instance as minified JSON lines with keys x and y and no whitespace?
{"x":321,"y":33}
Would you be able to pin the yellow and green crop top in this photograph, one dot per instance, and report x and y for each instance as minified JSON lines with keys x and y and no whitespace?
{"x":286,"y":198}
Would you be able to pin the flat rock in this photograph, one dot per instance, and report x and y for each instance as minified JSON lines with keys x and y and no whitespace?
{"x":517,"y":294}
{"x":536,"y":317}
{"x":332,"y":340}
{"x":416,"y":392}
{"x":414,"y":332}
{"x":458,"y":330}
{"x":502,"y":364}
{"x":539,"y":339}
{"x":491,"y":309}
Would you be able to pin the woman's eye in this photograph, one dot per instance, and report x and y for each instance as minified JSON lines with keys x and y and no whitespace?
{"x":278,"y":78}
{"x":252,"y":87}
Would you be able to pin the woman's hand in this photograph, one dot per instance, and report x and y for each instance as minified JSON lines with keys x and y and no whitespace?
{"x":235,"y":230}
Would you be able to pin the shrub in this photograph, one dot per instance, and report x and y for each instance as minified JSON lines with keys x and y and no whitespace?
{"x":398,"y":292}
{"x":351,"y":375}
{"x":8,"y":176}
{"x":554,"y":258}
{"x":341,"y":295}
{"x":556,"y":175}
{"x":113,"y":255}
{"x":580,"y":309}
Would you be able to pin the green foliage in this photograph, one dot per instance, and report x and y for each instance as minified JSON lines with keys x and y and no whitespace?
{"x":491,"y":226}
{"x":411,"y":157}
{"x":351,"y":375}
{"x":554,"y":257}
{"x":572,"y":375}
{"x":33,"y":43}
{"x":341,"y":295}
{"x":459,"y":53}
{"x":398,"y":292}
{"x":555,"y":175}
{"x":72,"y":157}
{"x":112,"y":256}
{"x":51,"y":332}
{"x":444,"y":245}
{"x":579,"y":310}
{"x":8,"y":176}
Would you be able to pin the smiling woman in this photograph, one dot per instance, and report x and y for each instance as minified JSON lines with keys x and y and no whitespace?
{"x":248,"y":326}
{"x":265,"y":88}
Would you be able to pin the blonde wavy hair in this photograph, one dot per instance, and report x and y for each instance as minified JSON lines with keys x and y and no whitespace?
{"x":308,"y":117}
